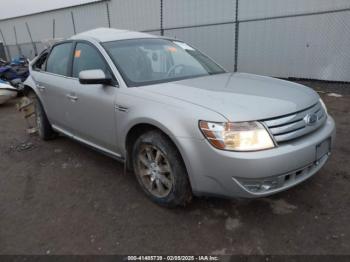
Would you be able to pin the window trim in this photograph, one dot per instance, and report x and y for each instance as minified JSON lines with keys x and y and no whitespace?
{"x":76,"y":42}
{"x":71,"y":60}
{"x":69,"y":69}
{"x":47,"y":52}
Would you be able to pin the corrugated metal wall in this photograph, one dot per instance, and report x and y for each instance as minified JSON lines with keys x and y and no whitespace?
{"x":300,"y":38}
{"x":304,"y":47}
{"x":205,"y":24}
{"x":251,"y":9}
{"x":282,"y":38}
{"x":58,"y":24}
{"x":139,"y":15}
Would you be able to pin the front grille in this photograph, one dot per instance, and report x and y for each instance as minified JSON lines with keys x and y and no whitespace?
{"x":295,"y":125}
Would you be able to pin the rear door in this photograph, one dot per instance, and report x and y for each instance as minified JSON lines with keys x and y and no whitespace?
{"x":93,"y":116}
{"x":55,"y":84}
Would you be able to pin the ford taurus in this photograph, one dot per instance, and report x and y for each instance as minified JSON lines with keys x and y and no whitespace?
{"x":177,"y":119}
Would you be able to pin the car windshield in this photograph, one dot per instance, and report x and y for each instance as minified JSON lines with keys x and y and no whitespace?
{"x":151,"y":61}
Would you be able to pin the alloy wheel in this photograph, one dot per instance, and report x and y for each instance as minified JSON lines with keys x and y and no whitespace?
{"x":154,"y":171}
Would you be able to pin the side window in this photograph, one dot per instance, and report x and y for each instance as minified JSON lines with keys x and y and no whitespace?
{"x":87,"y":57}
{"x":58,"y":61}
{"x":41,"y":62}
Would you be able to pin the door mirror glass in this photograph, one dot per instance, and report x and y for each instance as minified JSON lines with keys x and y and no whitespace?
{"x":94,"y":77}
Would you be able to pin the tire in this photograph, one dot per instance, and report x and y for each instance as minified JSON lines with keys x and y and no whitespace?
{"x":160,"y":170}
{"x":43,"y":125}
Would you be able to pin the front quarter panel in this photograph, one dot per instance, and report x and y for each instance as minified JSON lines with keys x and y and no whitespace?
{"x":177,"y":119}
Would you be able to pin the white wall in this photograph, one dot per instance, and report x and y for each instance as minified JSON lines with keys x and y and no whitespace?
{"x":250,"y":9}
{"x":136,"y":15}
{"x":215,"y":40}
{"x":315,"y":47}
{"x":197,"y":12}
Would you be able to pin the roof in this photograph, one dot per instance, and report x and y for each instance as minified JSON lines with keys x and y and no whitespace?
{"x":108,"y":34}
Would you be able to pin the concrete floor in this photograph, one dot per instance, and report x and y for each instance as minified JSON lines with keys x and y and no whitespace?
{"x":60,"y":197}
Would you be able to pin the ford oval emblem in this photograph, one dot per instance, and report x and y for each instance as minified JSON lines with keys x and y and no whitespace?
{"x":311,"y":119}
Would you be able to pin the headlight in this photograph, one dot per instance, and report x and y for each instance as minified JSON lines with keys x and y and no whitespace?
{"x":243,"y":136}
{"x":324,"y":106}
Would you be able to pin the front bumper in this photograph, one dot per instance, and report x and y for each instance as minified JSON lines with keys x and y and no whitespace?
{"x":221,"y":173}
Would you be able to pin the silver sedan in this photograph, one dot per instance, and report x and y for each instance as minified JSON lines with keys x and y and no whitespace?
{"x":177,"y":119}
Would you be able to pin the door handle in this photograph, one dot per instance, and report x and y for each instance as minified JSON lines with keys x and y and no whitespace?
{"x":72,"y":98}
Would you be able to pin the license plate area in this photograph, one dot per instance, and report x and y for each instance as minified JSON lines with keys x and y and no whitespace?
{"x":323,"y":149}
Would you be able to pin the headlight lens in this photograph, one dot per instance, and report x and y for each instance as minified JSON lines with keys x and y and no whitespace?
{"x":243,"y":136}
{"x":324,"y":106}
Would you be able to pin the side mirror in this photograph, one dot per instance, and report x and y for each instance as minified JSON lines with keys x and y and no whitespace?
{"x":94,"y":77}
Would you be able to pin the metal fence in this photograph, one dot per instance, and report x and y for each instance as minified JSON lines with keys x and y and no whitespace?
{"x":282,"y":38}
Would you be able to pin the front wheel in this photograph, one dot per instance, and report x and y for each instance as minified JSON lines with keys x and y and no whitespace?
{"x":160,"y":170}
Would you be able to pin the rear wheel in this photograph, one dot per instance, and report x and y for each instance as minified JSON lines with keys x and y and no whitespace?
{"x":160,"y":171}
{"x":43,"y":125}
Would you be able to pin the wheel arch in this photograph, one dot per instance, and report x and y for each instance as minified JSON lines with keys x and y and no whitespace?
{"x":140,"y":128}
{"x":29,"y":85}
{"x":27,"y":89}
{"x":137,"y":129}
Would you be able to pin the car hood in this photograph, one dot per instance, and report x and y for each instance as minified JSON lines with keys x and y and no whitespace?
{"x":240,"y":96}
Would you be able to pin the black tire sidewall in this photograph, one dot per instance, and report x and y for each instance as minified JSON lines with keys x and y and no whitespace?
{"x":39,"y":109}
{"x":180,"y":193}
{"x":46,"y":132}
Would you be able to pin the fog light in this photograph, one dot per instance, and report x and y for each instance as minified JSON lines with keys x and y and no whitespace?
{"x":253,"y":188}
{"x":266,"y":187}
{"x":256,"y":186}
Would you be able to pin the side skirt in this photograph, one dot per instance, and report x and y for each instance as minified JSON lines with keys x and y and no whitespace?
{"x":102,"y":150}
